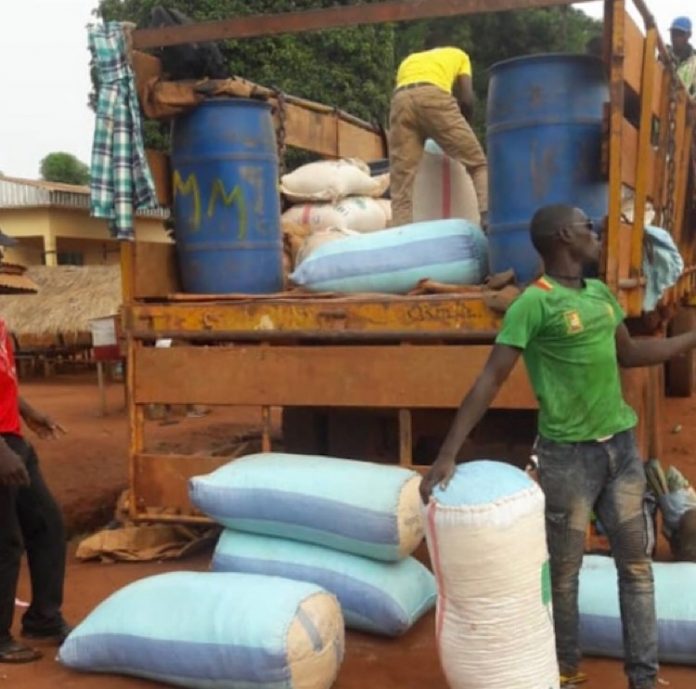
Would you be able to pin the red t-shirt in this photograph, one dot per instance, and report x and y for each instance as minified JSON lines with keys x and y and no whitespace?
{"x":9,"y":391}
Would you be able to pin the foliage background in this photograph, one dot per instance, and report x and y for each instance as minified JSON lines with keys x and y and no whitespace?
{"x":354,"y":68}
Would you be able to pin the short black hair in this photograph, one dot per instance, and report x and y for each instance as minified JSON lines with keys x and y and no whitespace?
{"x":684,"y":540}
{"x":546,"y":223}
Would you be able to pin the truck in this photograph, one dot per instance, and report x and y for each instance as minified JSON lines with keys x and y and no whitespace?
{"x":380,"y":377}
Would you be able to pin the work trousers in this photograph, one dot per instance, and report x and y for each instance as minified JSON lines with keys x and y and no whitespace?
{"x":607,"y":477}
{"x":31,"y":520}
{"x":418,"y":114}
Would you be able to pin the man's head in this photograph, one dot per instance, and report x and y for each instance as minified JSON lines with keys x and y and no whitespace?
{"x":684,"y":540}
{"x":680,"y":33}
{"x":561,"y":228}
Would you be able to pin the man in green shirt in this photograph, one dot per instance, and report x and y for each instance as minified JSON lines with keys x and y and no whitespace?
{"x":571,"y":334}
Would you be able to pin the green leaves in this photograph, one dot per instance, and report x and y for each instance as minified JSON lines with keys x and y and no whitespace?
{"x":65,"y":168}
{"x":354,"y":68}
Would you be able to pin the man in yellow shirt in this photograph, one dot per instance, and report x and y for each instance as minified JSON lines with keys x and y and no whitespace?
{"x":433,"y":99}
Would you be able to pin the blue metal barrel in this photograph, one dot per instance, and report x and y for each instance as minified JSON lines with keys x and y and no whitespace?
{"x":226,"y":204}
{"x":544,"y":146}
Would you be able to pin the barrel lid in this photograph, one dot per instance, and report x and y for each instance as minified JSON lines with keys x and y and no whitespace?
{"x":548,"y":57}
{"x":227,"y":101}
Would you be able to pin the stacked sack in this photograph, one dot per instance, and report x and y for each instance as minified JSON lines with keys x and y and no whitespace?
{"x":336,"y":193}
{"x":203,"y":630}
{"x":675,"y":605}
{"x":346,"y":526}
{"x":443,"y":188}
{"x":394,"y":261}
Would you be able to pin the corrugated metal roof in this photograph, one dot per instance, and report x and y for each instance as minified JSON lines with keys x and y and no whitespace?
{"x":28,"y":193}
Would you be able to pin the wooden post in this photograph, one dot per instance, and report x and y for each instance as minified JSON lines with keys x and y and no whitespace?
{"x":405,"y":437}
{"x":266,"y":429}
{"x":102,"y":388}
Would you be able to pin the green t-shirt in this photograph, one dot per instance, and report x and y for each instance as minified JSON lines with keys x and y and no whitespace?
{"x":570,"y":352}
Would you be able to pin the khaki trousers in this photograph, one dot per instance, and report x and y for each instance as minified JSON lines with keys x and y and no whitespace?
{"x":420,"y":113}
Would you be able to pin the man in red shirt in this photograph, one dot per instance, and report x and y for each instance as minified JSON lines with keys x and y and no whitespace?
{"x":29,"y":517}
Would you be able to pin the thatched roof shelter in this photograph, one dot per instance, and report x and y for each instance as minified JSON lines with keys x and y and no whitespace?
{"x":68,"y":298}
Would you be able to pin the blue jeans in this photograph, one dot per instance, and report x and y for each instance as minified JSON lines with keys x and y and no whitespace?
{"x":607,"y":477}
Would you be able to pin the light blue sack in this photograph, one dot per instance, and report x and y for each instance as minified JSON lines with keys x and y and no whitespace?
{"x":675,"y":599}
{"x":362,"y":508}
{"x":213,"y":631}
{"x":380,"y":597}
{"x":393,"y":261}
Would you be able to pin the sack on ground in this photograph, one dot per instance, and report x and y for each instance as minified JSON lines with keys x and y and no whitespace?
{"x":380,"y":597}
{"x":487,"y":543}
{"x":443,"y":188}
{"x":367,"y":509}
{"x":329,"y":180}
{"x":394,"y":261}
{"x":675,"y":601}
{"x":359,"y":213}
{"x":203,"y":630}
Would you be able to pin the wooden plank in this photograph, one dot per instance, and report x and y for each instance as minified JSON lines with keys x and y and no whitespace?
{"x":136,"y":422}
{"x":332,"y":17}
{"x":443,"y":315}
{"x":161,"y":174}
{"x":629,"y":154}
{"x":397,"y":377}
{"x":657,"y":192}
{"x":329,"y":134}
{"x":155,"y":273}
{"x":615,"y":16}
{"x":161,"y":481}
{"x":658,"y":87}
{"x":643,"y":170}
{"x":356,"y":142}
{"x":634,"y":52}
{"x":683,"y":150}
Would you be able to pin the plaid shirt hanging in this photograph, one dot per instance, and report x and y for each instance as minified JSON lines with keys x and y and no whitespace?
{"x":120,"y":176}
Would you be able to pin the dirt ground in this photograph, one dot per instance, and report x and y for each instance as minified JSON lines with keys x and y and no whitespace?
{"x":87,"y":470}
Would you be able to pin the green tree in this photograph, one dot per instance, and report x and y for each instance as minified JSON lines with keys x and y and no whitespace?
{"x":65,"y":168}
{"x":351,"y":68}
{"x":354,"y":68}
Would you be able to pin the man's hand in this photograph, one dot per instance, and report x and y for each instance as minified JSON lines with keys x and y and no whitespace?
{"x":439,"y":474}
{"x":41,"y":424}
{"x":12,"y":469}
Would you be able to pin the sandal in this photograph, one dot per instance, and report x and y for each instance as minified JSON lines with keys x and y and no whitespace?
{"x":13,"y":652}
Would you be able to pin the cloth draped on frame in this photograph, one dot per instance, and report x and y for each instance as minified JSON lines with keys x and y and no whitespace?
{"x":121,"y":181}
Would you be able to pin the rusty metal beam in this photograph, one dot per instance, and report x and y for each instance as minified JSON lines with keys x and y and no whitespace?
{"x":329,"y":18}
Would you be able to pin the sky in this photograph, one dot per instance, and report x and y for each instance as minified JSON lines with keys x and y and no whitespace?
{"x":45,"y":77}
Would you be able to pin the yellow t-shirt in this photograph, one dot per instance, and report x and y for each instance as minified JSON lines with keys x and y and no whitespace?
{"x":440,"y":66}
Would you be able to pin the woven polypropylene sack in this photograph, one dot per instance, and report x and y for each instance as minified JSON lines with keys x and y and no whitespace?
{"x":380,"y":597}
{"x":362,"y":508}
{"x":329,"y":180}
{"x":394,"y":261}
{"x":675,"y":603}
{"x":214,"y":631}
{"x":443,"y":188}
{"x":486,"y":537}
{"x":359,"y":213}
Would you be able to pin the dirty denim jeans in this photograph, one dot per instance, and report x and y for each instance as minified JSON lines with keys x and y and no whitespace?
{"x":607,"y":477}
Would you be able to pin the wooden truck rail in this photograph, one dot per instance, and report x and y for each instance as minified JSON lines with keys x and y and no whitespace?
{"x":401,"y":355}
